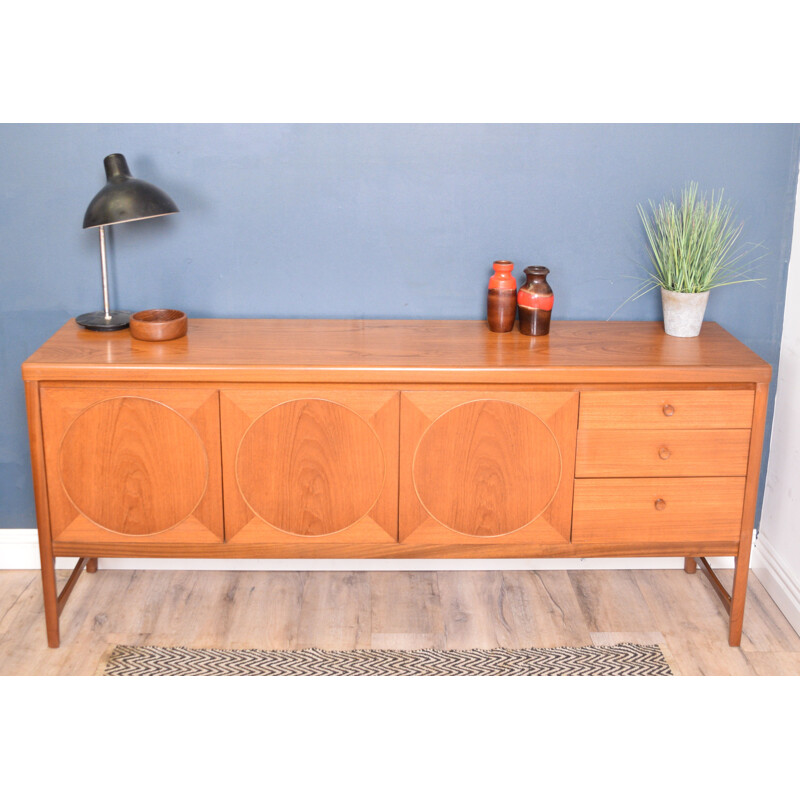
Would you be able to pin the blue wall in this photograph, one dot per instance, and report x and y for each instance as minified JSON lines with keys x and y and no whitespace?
{"x":364,"y":221}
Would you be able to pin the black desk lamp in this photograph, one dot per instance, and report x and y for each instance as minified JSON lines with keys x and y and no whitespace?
{"x":122,"y":199}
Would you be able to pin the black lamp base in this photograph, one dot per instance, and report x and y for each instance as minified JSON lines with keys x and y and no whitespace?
{"x":97,"y":320}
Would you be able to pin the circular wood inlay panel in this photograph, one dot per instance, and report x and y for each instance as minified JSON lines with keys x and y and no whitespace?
{"x":133,"y":466}
{"x":310,"y":467}
{"x":487,"y":468}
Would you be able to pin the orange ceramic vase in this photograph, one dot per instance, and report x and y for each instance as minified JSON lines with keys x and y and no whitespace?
{"x":501,"y":307}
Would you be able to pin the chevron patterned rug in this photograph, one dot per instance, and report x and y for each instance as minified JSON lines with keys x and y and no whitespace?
{"x":620,"y":659}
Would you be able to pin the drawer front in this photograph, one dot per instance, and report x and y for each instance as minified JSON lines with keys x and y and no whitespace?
{"x":665,"y":408}
{"x":620,"y":510}
{"x":650,"y":453}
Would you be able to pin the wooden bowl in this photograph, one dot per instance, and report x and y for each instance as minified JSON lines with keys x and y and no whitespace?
{"x":158,"y":324}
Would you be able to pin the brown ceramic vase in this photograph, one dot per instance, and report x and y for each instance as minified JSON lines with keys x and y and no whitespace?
{"x":535,"y":302}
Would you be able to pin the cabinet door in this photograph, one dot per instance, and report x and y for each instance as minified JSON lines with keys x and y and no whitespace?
{"x":133,"y":464}
{"x":493,"y":466}
{"x":310,"y":465}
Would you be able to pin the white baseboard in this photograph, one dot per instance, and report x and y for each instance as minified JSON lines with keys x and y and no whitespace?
{"x":782,"y":585}
{"x":19,"y":549}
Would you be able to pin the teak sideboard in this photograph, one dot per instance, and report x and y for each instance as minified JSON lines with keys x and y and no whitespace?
{"x":260,"y":438}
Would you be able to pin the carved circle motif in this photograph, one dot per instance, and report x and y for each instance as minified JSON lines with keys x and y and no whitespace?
{"x":310,"y":467}
{"x":487,"y":468}
{"x":133,"y":466}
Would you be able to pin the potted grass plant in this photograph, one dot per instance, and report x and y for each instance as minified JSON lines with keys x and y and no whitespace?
{"x":694,"y":247}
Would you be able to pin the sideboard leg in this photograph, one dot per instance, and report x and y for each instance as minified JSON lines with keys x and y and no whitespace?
{"x":689,"y":565}
{"x":748,"y":515}
{"x":738,"y":596}
{"x":50,"y":591}
{"x":91,"y":565}
{"x":47,"y":559}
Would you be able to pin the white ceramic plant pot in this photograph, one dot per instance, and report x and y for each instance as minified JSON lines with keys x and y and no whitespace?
{"x":683,"y":312}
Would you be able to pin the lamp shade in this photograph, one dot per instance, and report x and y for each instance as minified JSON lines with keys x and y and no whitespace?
{"x":125,"y":198}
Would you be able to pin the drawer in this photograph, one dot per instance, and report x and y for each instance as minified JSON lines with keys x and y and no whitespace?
{"x":641,"y":510}
{"x":650,"y":453}
{"x":665,"y":408}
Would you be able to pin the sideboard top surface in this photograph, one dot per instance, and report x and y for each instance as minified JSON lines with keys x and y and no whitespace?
{"x":426,"y":351}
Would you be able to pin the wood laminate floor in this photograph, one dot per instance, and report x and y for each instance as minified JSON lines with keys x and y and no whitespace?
{"x":402,"y":610}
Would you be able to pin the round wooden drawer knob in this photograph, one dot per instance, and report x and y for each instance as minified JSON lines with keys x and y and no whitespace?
{"x":664,"y":453}
{"x":668,"y":410}
{"x":660,"y":504}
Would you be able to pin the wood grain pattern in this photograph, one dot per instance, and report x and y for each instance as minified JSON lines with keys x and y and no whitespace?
{"x":158,"y":324}
{"x":650,"y":453}
{"x":657,"y":509}
{"x":611,"y":600}
{"x":666,"y":408}
{"x":486,"y":465}
{"x":132,"y":465}
{"x":463,"y":547}
{"x":405,"y":610}
{"x":315,"y":464}
{"x":486,"y":468}
{"x":143,"y":464}
{"x":443,"y":351}
{"x":310,"y":467}
{"x":334,"y":614}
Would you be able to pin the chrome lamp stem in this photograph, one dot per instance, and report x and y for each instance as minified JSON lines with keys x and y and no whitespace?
{"x":104,"y":271}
